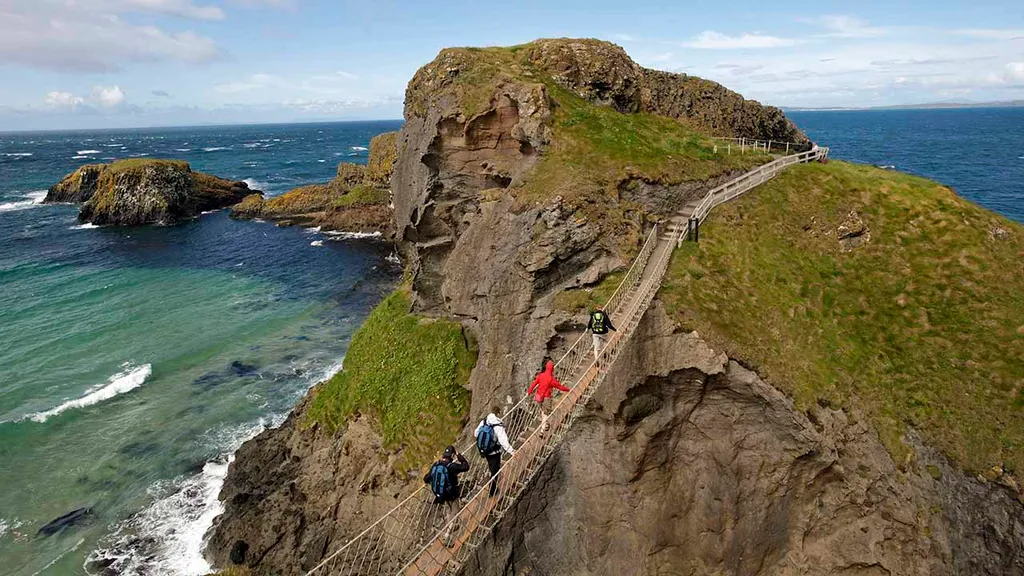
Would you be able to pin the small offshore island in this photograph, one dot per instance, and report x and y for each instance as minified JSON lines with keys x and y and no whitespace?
{"x":828,"y":382}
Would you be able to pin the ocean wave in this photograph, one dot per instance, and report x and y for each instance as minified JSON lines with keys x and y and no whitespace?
{"x":254,"y":184}
{"x":168,"y":536}
{"x":130,"y":378}
{"x":18,"y":154}
{"x":351,"y":235}
{"x":88,"y":152}
{"x":359,"y":148}
{"x":313,"y":230}
{"x":394,"y":258}
{"x":317,"y":243}
{"x":33,"y":199}
{"x":182,"y":149}
{"x":79,"y":157}
{"x":114,"y":145}
{"x":86,"y":226}
{"x":215,"y":148}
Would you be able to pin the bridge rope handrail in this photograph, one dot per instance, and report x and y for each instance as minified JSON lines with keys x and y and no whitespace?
{"x":392,"y":537}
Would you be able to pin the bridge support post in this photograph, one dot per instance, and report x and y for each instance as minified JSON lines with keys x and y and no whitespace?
{"x":693,"y":229}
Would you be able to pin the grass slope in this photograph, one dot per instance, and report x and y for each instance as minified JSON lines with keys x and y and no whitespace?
{"x":407,"y":371}
{"x":923,"y":325}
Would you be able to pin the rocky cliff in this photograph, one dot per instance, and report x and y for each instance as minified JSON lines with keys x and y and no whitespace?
{"x":526,"y":174}
{"x":685,"y":462}
{"x":357,"y":200}
{"x":132,"y":192}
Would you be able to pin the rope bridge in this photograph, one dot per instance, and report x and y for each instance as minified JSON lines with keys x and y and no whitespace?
{"x":420,"y":538}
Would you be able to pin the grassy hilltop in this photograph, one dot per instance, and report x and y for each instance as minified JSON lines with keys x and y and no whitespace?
{"x":918,"y":320}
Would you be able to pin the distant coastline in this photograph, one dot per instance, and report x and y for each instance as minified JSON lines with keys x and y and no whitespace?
{"x":925,"y":106}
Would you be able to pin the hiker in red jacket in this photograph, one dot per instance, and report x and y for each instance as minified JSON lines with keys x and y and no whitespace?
{"x":541,"y":389}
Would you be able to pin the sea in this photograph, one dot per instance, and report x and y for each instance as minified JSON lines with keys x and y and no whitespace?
{"x":134,"y":361}
{"x":979,"y":152}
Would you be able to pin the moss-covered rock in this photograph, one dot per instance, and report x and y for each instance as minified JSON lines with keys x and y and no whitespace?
{"x":145,"y":191}
{"x":357,"y":200}
{"x":76,"y":187}
{"x":383,"y":152}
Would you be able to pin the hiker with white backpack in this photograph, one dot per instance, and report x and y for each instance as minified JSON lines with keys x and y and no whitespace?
{"x":491,"y":439}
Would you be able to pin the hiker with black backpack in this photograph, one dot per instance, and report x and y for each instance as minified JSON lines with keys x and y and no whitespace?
{"x":491,"y":439}
{"x":443,"y":476}
{"x":599,"y":325}
{"x":443,"y":479}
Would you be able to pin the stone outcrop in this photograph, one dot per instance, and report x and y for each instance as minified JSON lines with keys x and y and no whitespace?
{"x":357,"y":200}
{"x":685,"y":462}
{"x":77,"y":187}
{"x":133,"y":192}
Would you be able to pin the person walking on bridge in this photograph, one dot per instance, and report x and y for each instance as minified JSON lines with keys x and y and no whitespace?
{"x":491,"y":439}
{"x":443,"y":479}
{"x":541,"y":389}
{"x":443,"y":476}
{"x":599,"y":325}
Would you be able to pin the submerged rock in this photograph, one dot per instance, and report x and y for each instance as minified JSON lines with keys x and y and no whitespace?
{"x":147,"y":191}
{"x":77,"y":516}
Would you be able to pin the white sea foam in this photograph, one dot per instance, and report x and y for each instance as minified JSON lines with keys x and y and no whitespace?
{"x":321,"y":161}
{"x":393,"y":258}
{"x":33,"y":199}
{"x":313,"y":230}
{"x":317,"y":243}
{"x":182,"y":149}
{"x":360,"y":148}
{"x":214,"y":148}
{"x":351,"y":235}
{"x":129,"y":378}
{"x":114,"y":145}
{"x":254,"y":184}
{"x":86,"y":226}
{"x":88,"y":152}
{"x":18,"y":154}
{"x":139,"y":155}
{"x":79,"y":157}
{"x":175,"y":525}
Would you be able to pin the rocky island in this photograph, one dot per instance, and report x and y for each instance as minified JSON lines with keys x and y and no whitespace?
{"x":144,"y":191}
{"x":828,"y":383}
{"x":357,"y":200}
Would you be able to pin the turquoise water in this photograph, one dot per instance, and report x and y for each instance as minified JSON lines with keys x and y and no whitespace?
{"x":134,"y":361}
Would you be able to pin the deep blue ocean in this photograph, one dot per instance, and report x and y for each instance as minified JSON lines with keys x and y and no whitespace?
{"x":134,"y":361}
{"x":979,"y":152}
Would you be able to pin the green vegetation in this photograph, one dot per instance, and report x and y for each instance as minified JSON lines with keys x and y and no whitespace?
{"x":362,"y":195}
{"x":383,"y":153}
{"x":584,"y":299}
{"x":595,"y":148}
{"x":129,"y":164}
{"x":922,"y":325}
{"x":407,"y":371}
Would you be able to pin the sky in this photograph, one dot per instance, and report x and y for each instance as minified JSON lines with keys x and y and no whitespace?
{"x":69,"y":64}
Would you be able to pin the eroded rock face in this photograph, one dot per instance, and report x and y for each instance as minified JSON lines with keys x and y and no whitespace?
{"x":79,"y":186}
{"x":687,"y":463}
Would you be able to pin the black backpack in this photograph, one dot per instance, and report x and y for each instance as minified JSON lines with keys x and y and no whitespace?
{"x":440,"y":480}
{"x":486,"y":440}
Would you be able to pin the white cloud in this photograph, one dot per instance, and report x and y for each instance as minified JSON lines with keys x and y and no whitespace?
{"x":183,"y":8}
{"x":63,"y":100}
{"x":712,"y":40}
{"x":92,"y":37}
{"x":1014,"y":72}
{"x":108,"y":96}
{"x":991,"y":33}
{"x":844,"y":26}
